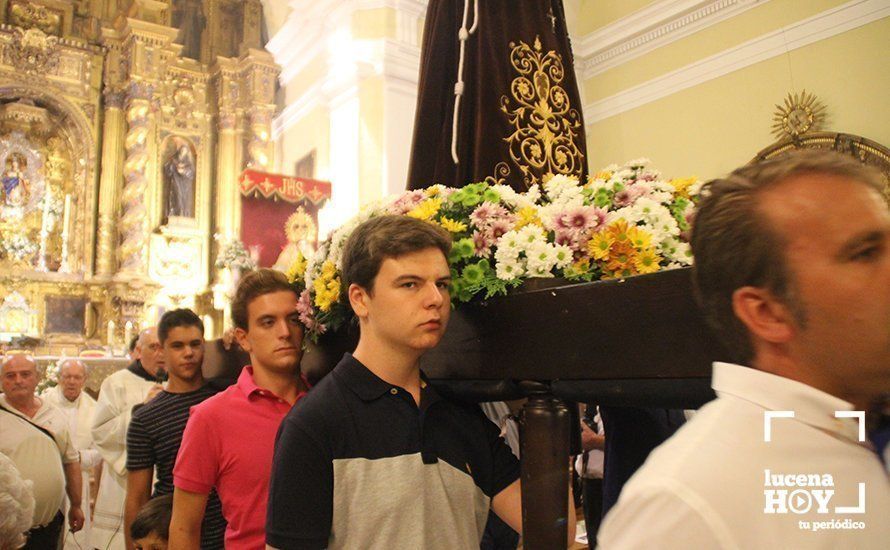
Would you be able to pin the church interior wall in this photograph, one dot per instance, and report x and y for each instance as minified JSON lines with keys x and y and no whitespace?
{"x":768,"y":16}
{"x":717,"y":124}
{"x":595,"y":14}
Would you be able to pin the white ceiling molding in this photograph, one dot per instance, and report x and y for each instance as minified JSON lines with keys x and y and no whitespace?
{"x":396,"y":62}
{"x":297,"y":110}
{"x":802,"y":33}
{"x":651,"y":28}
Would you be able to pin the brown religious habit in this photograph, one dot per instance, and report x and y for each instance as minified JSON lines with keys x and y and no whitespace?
{"x":498,"y":99}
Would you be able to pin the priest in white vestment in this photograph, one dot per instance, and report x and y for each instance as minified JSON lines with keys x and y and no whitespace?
{"x":119,"y":393}
{"x":78,"y":407}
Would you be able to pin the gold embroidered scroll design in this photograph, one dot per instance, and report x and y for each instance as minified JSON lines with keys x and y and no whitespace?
{"x":545,"y":126}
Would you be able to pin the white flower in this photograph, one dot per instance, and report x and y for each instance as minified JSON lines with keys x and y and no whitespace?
{"x":561,"y":188}
{"x":507,"y":271}
{"x":562,"y":255}
{"x":642,"y":161}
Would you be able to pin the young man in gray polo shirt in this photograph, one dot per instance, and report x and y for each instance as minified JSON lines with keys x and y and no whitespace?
{"x":373,"y":457}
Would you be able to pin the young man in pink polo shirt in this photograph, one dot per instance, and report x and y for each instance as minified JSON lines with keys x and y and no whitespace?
{"x":229,"y":439}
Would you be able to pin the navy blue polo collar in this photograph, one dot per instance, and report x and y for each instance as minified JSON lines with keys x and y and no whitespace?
{"x":367,"y":385}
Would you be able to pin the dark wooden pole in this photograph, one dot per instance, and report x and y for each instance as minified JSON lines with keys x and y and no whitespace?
{"x":544,"y":443}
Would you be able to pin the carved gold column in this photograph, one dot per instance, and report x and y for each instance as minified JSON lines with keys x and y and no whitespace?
{"x":133,"y":223}
{"x":259,"y":72}
{"x":109,"y":182}
{"x":230,"y":157}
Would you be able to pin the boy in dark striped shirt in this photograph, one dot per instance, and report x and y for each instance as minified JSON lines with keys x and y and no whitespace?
{"x":155,"y":431}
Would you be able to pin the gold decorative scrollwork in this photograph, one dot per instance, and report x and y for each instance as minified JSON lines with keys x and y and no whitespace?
{"x":545,"y":126}
{"x":34,"y":51}
{"x":501,"y":171}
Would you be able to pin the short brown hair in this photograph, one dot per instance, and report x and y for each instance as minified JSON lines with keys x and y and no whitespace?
{"x":177,"y":318}
{"x":252,"y":286}
{"x":153,"y":517}
{"x":734,"y":244}
{"x":387,"y":237}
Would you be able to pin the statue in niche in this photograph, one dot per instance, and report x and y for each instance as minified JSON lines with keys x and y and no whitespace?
{"x":15,"y":184}
{"x":189,"y":18}
{"x":179,"y":177}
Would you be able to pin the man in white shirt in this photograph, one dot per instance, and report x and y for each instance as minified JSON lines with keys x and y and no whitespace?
{"x":792,"y":268}
{"x":77,"y":406}
{"x":19,"y":380}
{"x":119,"y":393}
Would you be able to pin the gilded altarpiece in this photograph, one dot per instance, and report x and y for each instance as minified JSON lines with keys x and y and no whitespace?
{"x":122,"y":135}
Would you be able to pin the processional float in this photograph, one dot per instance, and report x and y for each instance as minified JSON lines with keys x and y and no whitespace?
{"x":498,"y":103}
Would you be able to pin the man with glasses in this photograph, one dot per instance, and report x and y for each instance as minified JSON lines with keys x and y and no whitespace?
{"x":77,"y":407}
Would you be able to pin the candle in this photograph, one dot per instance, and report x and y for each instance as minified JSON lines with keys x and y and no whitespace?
{"x":67,"y":215}
{"x":128,"y":332}
{"x":109,"y":337}
{"x":46,"y":199}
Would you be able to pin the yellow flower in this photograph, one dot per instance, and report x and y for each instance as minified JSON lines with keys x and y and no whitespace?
{"x":432,"y":191}
{"x":527,"y":216}
{"x":599,"y":245}
{"x":426,"y":209}
{"x":621,"y":258}
{"x":327,"y":287}
{"x":297,"y":269}
{"x":328,"y":270}
{"x":647,"y":261}
{"x":682,"y":185}
{"x":581,"y":265}
{"x":618,"y":230}
{"x":452,"y":225}
{"x":604,"y":175}
{"x":639,"y":238}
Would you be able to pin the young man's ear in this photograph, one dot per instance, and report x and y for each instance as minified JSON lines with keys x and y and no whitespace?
{"x":241,"y":337}
{"x":358,"y":298}
{"x":766,"y":317}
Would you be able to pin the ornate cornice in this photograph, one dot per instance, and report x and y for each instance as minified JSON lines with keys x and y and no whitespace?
{"x":823,"y":25}
{"x":650,"y":28}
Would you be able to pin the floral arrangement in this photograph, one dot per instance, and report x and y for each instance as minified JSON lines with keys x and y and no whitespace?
{"x":626,"y":220}
{"x":233,"y":255}
{"x":17,"y":246}
{"x":50,"y":376}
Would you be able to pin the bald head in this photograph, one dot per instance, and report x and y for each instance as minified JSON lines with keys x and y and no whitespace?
{"x":19,"y":377}
{"x":150,"y":351}
{"x":72,"y":378}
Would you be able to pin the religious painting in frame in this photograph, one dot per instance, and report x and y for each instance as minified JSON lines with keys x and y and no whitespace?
{"x":65,"y":315}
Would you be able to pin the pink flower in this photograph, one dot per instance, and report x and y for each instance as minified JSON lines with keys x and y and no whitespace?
{"x":580,"y":218}
{"x":566,"y":236}
{"x":482,"y":214}
{"x":406,"y":202}
{"x":482,"y":244}
{"x":498,"y":227}
{"x":307,"y":314}
{"x":629,"y":195}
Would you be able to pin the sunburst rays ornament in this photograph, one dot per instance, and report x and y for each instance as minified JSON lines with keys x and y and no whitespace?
{"x":801,"y":113}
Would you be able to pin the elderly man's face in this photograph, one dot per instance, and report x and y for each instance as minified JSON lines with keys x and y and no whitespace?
{"x":72,"y":377}
{"x":837,"y":234}
{"x":19,"y":375}
{"x":151,"y":352}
